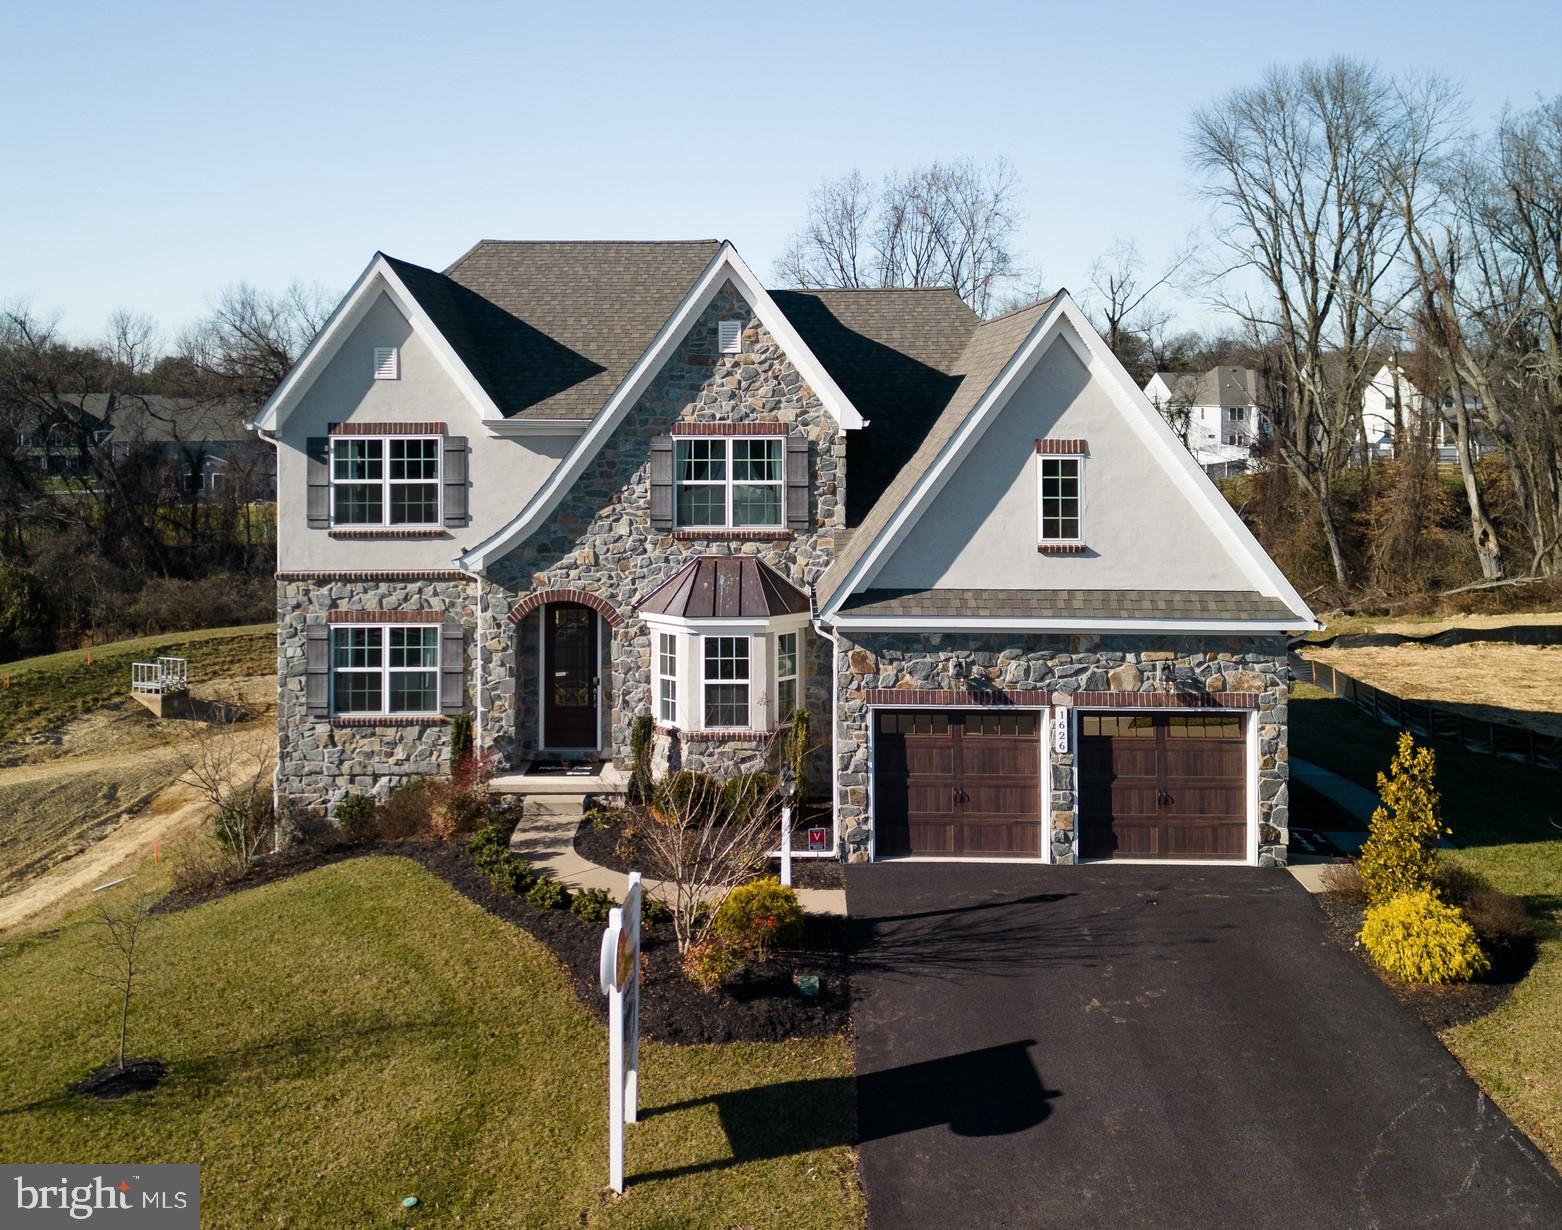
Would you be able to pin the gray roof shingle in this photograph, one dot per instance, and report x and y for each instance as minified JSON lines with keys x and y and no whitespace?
{"x":1069,"y":603}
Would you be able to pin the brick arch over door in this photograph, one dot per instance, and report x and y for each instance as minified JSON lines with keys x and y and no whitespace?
{"x":542,"y":597}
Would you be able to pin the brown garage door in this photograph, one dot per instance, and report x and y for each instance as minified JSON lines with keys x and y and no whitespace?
{"x":964,"y":783}
{"x":1162,"y":785}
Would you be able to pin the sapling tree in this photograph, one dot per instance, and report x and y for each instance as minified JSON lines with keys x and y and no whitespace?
{"x":119,"y":932}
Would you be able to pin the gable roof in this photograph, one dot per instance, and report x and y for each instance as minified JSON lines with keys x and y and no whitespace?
{"x":997,"y":359}
{"x":725,"y":587}
{"x":896,"y":353}
{"x":1056,"y":605}
{"x":989,"y":346}
{"x":1220,"y":386}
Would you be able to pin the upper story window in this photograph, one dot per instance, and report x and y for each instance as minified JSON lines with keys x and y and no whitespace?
{"x":728,"y":482}
{"x":391,"y":669}
{"x":390,"y":480}
{"x":387,"y":363}
{"x":1061,"y":502}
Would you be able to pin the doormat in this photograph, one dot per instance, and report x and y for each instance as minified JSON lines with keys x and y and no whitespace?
{"x":564,"y":768}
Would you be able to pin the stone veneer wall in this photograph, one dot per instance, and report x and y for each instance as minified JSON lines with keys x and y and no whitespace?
{"x":600,"y":538}
{"x":321,"y":761}
{"x":1040,"y":665}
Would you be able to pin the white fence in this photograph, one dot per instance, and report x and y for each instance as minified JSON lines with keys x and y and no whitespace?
{"x":164,"y":675}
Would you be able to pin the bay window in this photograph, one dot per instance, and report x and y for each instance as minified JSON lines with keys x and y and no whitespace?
{"x":786,"y":675}
{"x":389,"y":670}
{"x":385,"y":480}
{"x":726,"y":700}
{"x":726,"y":675}
{"x":667,"y":678}
{"x":728,"y":482}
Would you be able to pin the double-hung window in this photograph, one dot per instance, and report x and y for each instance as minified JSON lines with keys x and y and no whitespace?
{"x":726,"y":682}
{"x":728,"y":482}
{"x":667,"y":677}
{"x":390,"y":670}
{"x":786,"y":675}
{"x":1061,"y":498}
{"x":390,"y":480}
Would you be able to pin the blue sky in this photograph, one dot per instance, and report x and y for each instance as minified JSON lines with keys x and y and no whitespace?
{"x":154,"y":152}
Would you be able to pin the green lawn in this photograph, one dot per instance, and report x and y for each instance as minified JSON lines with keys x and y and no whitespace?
{"x":328,"y":1059}
{"x":1503,"y":816}
{"x":48,"y":690}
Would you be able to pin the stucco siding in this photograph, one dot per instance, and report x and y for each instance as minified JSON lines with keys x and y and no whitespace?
{"x":1140,"y":530}
{"x":503,"y":473}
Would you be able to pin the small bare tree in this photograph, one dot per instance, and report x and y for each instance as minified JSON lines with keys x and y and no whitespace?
{"x":227,"y":773}
{"x":119,"y":926}
{"x":704,"y":837}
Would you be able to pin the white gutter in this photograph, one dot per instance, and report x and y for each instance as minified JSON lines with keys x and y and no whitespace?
{"x":1103,"y":627}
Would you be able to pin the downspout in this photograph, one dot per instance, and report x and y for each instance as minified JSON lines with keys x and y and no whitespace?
{"x":276,"y":772}
{"x":835,"y":700}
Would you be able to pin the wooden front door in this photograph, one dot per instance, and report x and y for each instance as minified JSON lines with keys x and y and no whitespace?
{"x":569,"y":675}
{"x":1163,"y":785}
{"x":957,"y":783}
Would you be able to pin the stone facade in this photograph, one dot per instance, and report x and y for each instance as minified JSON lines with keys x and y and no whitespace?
{"x":322,"y":760}
{"x":1042,"y":669}
{"x":600,"y":540}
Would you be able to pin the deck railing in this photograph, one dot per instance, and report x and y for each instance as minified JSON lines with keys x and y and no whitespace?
{"x":163,"y":675}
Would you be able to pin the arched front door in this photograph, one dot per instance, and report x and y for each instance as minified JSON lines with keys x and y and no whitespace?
{"x":570,"y":676}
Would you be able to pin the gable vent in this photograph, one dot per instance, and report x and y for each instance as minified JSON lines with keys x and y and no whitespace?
{"x":386,"y":363}
{"x":729,"y":335}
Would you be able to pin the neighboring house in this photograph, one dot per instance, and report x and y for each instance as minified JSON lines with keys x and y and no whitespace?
{"x":206,"y":447}
{"x":1415,"y":412}
{"x":1221,"y":414}
{"x":561,"y":485}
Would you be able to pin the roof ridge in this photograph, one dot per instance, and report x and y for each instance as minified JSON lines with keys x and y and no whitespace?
{"x":1044,"y":302}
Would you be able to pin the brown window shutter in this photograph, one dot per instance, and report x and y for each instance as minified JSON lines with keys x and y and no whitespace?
{"x":455,"y":476}
{"x":452,"y":667}
{"x":662,"y":483}
{"x":797,"y":483}
{"x":318,"y":506}
{"x":317,"y":665}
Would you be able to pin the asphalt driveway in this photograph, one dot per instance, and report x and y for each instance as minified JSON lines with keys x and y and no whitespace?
{"x":1126,"y":1047}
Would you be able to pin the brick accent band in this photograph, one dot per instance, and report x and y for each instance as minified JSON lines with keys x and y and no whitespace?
{"x":383,"y":719}
{"x":384,"y":617}
{"x":728,"y":429}
{"x":984,"y":698}
{"x":725,"y":736}
{"x":1164,"y":700}
{"x":389,"y":533}
{"x":1061,"y":548}
{"x":728,"y":535}
{"x":438,"y":574}
{"x":1061,"y":448}
{"x":542,"y":597}
{"x":386,"y":429}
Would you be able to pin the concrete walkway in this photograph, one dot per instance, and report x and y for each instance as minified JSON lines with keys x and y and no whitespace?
{"x":1357,"y":800}
{"x":546,"y":837}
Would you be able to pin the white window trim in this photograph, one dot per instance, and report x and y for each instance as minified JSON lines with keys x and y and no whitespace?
{"x":1041,"y":510}
{"x":384,"y":670}
{"x":386,"y":482}
{"x":751,"y":683}
{"x":729,"y":482}
{"x":662,"y":676}
{"x":689,"y":637}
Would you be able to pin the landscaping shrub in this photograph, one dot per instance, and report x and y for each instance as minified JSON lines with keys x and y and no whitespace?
{"x":592,"y":904}
{"x":1343,"y":880}
{"x":690,"y":791}
{"x":797,"y":755}
{"x":1400,"y":855}
{"x":547,"y":894}
{"x":759,"y":915}
{"x":601,"y":816}
{"x":244,"y":823}
{"x":460,"y":739}
{"x":627,"y":846}
{"x":506,"y":872}
{"x":1501,"y":921}
{"x":408,"y":811}
{"x":654,"y":913}
{"x":641,"y":732}
{"x":709,"y":964}
{"x":198,"y":868}
{"x":460,"y":803}
{"x":1421,"y":939}
{"x":355,"y":814}
{"x":744,"y":795}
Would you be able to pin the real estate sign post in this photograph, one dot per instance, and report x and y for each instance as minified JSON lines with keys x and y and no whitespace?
{"x":620,"y":975}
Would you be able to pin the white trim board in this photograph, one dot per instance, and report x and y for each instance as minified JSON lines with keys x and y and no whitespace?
{"x":725,"y":266}
{"x":1064,"y":319}
{"x":378,"y":277}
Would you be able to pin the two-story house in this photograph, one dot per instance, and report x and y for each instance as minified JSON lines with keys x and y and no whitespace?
{"x":560,"y":485}
{"x":1221,"y":414}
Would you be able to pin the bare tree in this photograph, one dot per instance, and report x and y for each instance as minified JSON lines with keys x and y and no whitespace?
{"x":1122,"y":301}
{"x":222,"y":765}
{"x":943,"y":224}
{"x":1294,"y":171}
{"x":118,"y":928}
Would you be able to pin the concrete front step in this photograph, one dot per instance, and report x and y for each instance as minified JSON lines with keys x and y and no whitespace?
{"x":608,"y":779}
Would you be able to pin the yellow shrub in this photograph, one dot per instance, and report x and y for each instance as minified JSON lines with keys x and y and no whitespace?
{"x":1419,"y":938}
{"x":1400,"y":855}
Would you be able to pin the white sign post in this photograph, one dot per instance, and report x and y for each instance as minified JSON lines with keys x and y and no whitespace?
{"x":620,"y":977}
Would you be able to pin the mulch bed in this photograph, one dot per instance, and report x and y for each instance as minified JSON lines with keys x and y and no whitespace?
{"x":1438,"y":1008}
{"x":111,"y":1081}
{"x":761,"y":1004}
{"x":601,"y":846}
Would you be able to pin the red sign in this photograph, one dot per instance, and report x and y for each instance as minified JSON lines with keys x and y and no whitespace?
{"x":819,"y":839}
